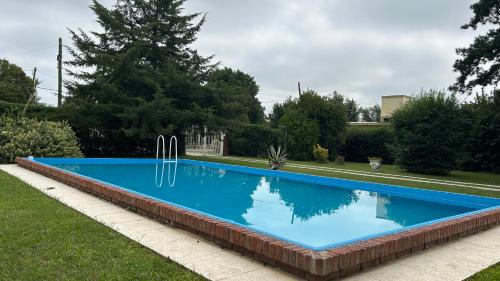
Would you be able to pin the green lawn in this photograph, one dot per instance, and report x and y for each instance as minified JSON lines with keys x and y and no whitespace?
{"x":489,"y":274}
{"x":42,"y":239}
{"x":462,"y":176}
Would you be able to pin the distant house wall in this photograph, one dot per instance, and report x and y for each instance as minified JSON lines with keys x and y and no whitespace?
{"x":391,"y":104}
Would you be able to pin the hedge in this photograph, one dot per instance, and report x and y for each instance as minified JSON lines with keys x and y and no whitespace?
{"x":38,"y":111}
{"x":252,"y":140}
{"x":363,"y":142}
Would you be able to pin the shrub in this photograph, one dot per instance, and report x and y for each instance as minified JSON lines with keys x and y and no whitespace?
{"x":363,"y":142}
{"x":482,"y":149}
{"x":23,"y":137}
{"x":320,"y":154}
{"x":429,"y":133}
{"x":252,"y":140}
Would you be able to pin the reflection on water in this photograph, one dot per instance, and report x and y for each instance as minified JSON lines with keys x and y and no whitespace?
{"x":160,"y":173}
{"x":310,"y":214}
{"x":309,"y":202}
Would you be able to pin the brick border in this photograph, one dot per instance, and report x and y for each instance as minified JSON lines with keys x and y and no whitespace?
{"x":305,"y":263}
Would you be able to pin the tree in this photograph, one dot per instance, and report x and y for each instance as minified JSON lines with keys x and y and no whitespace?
{"x":429,"y":133}
{"x":15,"y":86}
{"x":278,"y":112}
{"x":351,"y":106}
{"x":371,"y":114}
{"x":479,"y":64}
{"x":302,"y":134}
{"x":237,"y":95}
{"x":328,"y":112}
{"x":352,"y":110}
{"x":137,"y":78}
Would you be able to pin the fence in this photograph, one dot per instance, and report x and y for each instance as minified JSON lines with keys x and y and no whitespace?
{"x":206,"y":143}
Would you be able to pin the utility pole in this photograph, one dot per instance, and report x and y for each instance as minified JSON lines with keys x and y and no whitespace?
{"x":300,"y":91}
{"x":59,"y":74}
{"x":32,"y":96}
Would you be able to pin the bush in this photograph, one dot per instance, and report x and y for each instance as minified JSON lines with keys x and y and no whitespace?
{"x":429,"y":134}
{"x":320,"y":154}
{"x":252,"y":140}
{"x":363,"y":142}
{"x":24,"y":137}
{"x":482,"y":149}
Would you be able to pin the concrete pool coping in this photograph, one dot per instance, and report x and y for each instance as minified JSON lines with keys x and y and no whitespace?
{"x":454,"y":261}
{"x":305,"y":263}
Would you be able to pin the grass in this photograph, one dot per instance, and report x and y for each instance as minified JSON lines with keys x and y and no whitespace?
{"x":491,"y":273}
{"x":42,"y":239}
{"x":463,"y":176}
{"x":474,"y":177}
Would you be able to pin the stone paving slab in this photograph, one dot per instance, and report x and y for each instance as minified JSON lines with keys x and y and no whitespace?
{"x":453,"y":261}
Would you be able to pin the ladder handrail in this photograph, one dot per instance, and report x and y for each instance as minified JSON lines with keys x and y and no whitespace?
{"x":158,"y":147}
{"x":170,"y":148}
{"x":173,"y":139}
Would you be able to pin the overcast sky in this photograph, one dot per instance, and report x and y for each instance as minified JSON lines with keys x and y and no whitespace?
{"x":363,"y":49}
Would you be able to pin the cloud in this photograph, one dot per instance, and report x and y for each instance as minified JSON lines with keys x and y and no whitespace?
{"x":364,"y":49}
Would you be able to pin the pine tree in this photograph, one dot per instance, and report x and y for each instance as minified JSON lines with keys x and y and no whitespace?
{"x":479,"y":64}
{"x":137,"y":78}
{"x":150,"y":35}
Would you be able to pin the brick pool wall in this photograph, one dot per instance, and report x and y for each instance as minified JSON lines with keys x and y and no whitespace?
{"x":305,"y":263}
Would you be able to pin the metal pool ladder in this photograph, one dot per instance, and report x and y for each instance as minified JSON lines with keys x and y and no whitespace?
{"x":173,"y":140}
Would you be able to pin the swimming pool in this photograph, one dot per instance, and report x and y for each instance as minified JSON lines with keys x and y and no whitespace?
{"x":315,"y":213}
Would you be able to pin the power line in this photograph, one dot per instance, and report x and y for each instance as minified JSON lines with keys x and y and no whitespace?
{"x":49,"y":89}
{"x":48,"y":76}
{"x":35,"y":50}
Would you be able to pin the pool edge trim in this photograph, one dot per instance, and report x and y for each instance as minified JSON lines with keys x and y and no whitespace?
{"x":305,"y":263}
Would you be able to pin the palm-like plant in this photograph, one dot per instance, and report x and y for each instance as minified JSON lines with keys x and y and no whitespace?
{"x":277,"y":158}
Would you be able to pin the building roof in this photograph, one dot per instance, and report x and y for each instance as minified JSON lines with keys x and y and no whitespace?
{"x":396,"y":96}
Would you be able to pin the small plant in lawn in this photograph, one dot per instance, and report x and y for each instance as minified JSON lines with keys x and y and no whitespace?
{"x":277,"y":158}
{"x":375,"y":163}
{"x":320,"y":154}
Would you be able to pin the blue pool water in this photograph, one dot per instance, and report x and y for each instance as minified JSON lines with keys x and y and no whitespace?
{"x":314,"y":212}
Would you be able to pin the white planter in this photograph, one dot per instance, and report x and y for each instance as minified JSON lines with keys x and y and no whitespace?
{"x":376,"y":164}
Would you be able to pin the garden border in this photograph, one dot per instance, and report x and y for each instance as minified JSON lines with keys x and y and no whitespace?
{"x":305,"y":263}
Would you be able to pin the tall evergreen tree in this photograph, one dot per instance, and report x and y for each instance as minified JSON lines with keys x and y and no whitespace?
{"x":479,"y":64}
{"x":137,"y":78}
{"x":149,"y":34}
{"x":237,"y":93}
